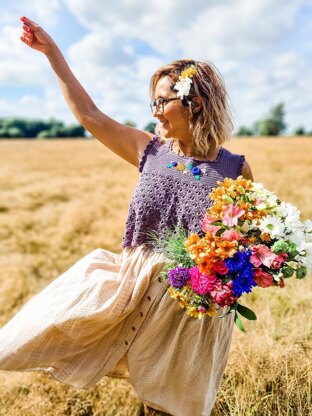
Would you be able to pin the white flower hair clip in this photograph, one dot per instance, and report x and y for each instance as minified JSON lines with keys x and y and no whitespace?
{"x":183,"y":85}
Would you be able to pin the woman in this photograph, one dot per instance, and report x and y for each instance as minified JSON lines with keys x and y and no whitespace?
{"x":110,"y":314}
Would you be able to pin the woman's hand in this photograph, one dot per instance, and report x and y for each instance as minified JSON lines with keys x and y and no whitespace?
{"x":35,"y":37}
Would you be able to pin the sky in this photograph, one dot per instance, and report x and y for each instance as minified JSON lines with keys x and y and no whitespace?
{"x":263,"y":49}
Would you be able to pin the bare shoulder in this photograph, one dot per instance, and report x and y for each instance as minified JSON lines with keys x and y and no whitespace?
{"x":246,"y":171}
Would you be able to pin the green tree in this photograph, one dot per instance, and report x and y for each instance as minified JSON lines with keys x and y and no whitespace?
{"x":130,"y":123}
{"x":150,"y":127}
{"x":299,"y":131}
{"x":13,"y":127}
{"x":273,"y":124}
{"x":244,"y":131}
{"x":11,"y":132}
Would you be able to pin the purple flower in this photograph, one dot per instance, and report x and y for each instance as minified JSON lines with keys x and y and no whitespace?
{"x":178,"y":277}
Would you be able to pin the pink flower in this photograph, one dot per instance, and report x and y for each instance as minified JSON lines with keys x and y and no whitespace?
{"x":231,"y":235}
{"x":231,"y":213}
{"x":222,"y":294}
{"x":201,"y":283}
{"x":207,"y":226}
{"x":278,"y":261}
{"x":261,"y":254}
{"x":262,"y":278}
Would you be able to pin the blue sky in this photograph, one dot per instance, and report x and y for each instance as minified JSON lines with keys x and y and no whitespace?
{"x":263,"y":49}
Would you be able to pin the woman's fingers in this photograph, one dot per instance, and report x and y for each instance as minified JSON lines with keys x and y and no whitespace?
{"x":27,"y":37}
{"x":35,"y":36}
{"x":26,"y":28}
{"x":29,"y":23}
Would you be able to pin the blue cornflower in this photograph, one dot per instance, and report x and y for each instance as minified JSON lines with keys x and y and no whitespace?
{"x":243,"y":281}
{"x":238,"y":261}
{"x":241,"y":272}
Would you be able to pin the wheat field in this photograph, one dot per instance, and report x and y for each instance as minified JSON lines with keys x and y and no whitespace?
{"x":61,"y":199}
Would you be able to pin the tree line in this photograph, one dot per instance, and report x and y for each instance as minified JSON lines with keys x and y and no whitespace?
{"x":273,"y":124}
{"x":16,"y":127}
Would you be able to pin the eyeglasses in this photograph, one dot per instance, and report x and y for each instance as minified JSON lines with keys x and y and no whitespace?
{"x":159,"y":104}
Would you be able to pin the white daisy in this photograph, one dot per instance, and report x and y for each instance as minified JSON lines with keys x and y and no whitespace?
{"x":308,"y":226}
{"x":183,"y":87}
{"x":273,"y":226}
{"x":296,"y":236}
{"x":305,"y":251}
{"x":289,"y":212}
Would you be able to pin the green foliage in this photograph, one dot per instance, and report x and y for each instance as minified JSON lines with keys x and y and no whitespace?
{"x":11,"y":132}
{"x":130,"y":123}
{"x":171,"y":243}
{"x":299,"y":131}
{"x":273,"y":124}
{"x":244,"y":131}
{"x":150,"y":127}
{"x":15,"y":127}
{"x":239,"y":323}
{"x":246,"y":312}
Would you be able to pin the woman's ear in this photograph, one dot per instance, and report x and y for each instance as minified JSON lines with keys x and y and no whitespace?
{"x":196,"y":105}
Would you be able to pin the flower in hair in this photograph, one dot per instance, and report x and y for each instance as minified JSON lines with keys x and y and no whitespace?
{"x":183,"y":86}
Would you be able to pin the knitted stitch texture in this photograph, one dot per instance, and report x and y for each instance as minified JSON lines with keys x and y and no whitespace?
{"x":166,"y":197}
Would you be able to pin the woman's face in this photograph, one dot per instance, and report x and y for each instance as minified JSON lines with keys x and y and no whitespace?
{"x":174,"y":120}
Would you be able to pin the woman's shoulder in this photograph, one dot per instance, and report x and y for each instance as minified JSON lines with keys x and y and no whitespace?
{"x":244,"y":168}
{"x":152,"y":147}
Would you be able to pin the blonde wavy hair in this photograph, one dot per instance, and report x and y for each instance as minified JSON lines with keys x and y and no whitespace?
{"x":212,"y":125}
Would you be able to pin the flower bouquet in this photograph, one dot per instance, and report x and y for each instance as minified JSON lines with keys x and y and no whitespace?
{"x":250,"y":238}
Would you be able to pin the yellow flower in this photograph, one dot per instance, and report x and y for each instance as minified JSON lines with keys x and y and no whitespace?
{"x":180,"y":166}
{"x":188,"y":72}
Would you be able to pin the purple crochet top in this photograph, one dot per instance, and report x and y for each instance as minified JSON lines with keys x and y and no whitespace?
{"x":165,"y":197}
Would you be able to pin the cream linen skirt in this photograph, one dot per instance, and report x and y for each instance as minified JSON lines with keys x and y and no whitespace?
{"x":110,"y":314}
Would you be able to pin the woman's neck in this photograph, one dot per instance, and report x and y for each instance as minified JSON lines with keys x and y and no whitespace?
{"x":188,"y":150}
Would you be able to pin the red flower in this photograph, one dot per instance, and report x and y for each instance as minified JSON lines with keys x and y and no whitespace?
{"x":262,"y":278}
{"x":278,"y":261}
{"x":223,"y":294}
{"x":220,"y":267}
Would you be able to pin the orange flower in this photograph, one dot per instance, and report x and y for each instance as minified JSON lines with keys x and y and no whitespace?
{"x":192,"y":239}
{"x":205,"y":267}
{"x":265,"y":237}
{"x":226,"y":249}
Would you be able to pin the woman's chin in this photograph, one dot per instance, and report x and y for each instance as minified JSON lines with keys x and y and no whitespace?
{"x":166,"y":132}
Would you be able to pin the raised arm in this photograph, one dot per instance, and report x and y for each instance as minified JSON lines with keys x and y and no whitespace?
{"x":127,"y":142}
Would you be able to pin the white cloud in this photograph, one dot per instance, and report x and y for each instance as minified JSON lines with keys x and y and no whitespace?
{"x":127,"y":40}
{"x":19,"y":65}
{"x":44,"y":11}
{"x":50,"y":105}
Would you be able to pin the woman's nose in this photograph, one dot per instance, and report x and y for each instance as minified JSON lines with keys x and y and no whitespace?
{"x":156,"y":112}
